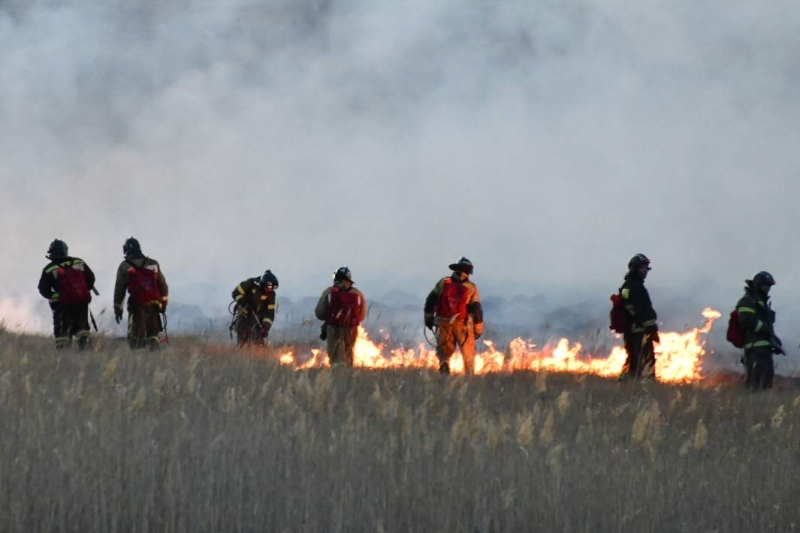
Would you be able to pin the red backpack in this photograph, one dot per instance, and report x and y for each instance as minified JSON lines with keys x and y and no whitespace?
{"x":71,"y":284}
{"x":453,"y":299}
{"x":344,"y":309}
{"x":734,"y":333}
{"x":618,"y":317}
{"x":143,"y":283}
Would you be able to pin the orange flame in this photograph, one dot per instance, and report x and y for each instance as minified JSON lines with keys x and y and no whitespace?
{"x":678,"y":356}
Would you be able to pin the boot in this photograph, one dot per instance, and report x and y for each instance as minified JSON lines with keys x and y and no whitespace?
{"x":83,"y":342}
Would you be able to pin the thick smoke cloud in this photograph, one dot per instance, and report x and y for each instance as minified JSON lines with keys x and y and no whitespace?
{"x":548,"y":141}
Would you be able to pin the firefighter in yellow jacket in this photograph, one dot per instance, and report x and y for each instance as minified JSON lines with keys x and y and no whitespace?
{"x":255,"y":309}
{"x":343,"y":308}
{"x":453,"y":308}
{"x":143,"y":279}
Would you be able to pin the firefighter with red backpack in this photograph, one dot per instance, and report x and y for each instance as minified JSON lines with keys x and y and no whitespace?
{"x":453,"y":310}
{"x":254,"y":310}
{"x":141,"y":277}
{"x":753,"y":330}
{"x":67,"y":283}
{"x":343,"y":308}
{"x":633,"y":315}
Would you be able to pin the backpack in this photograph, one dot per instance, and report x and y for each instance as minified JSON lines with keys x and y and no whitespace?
{"x":344,"y":309}
{"x":452,"y":302}
{"x":71,"y":284}
{"x":618,"y":319}
{"x":734,"y":333}
{"x":143,"y":283}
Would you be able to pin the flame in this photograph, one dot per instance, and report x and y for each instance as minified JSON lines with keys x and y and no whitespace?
{"x":678,"y":356}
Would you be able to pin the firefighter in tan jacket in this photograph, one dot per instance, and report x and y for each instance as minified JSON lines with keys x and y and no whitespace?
{"x":343,"y":308}
{"x":143,"y":279}
{"x":454,"y":309}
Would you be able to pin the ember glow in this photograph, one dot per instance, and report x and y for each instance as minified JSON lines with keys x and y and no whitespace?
{"x":678,"y":356}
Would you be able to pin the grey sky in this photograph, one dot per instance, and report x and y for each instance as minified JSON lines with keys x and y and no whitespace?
{"x":546,"y":140}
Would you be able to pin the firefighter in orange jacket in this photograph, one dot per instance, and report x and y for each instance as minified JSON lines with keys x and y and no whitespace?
{"x":141,"y":277}
{"x":67,"y":283}
{"x":255,"y":309}
{"x":454,"y":309}
{"x":343,"y":308}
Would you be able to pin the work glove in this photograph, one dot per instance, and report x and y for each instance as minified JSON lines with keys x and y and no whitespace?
{"x":777,"y":346}
{"x":118,"y":315}
{"x":478,"y":330}
{"x":655,"y":338}
{"x":267,"y":327}
{"x":164,"y":307}
{"x":429,"y":321}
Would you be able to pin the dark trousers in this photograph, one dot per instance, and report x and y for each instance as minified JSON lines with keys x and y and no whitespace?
{"x":249,"y":330}
{"x":641,"y":361}
{"x":759,"y":368}
{"x":71,"y":320}
{"x":144,"y":325}
{"x":342,"y":345}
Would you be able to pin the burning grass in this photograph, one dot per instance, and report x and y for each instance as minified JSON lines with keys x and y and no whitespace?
{"x":196,"y":438}
{"x":679,"y":356}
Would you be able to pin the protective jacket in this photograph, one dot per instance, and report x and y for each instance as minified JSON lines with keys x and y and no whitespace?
{"x":341,"y":307}
{"x":67,"y":281}
{"x":638,"y":307}
{"x":454,"y":300}
{"x":251,"y":296}
{"x":143,"y":279}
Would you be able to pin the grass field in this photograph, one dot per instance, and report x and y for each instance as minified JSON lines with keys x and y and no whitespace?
{"x":197,"y":438}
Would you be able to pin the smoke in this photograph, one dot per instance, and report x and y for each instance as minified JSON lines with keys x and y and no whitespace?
{"x":21,"y":316}
{"x":547,"y":141}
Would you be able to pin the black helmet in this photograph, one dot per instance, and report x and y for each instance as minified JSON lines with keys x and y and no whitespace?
{"x":463,"y":265}
{"x":343,"y":274}
{"x":269,"y":280}
{"x":763,"y":278}
{"x":131,"y":247}
{"x":58,"y":250}
{"x":638,"y":260}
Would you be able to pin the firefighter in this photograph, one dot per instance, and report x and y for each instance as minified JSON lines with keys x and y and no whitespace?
{"x":454,"y":309}
{"x":144,"y":281}
{"x":756,"y":323}
{"x":67,"y":283}
{"x":642,"y":328}
{"x":343,"y":308}
{"x":255,"y":309}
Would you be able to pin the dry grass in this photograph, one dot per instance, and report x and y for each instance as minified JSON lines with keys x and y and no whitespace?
{"x":197,"y":439}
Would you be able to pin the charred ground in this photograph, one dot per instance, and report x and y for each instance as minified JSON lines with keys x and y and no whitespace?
{"x":196,"y":438}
